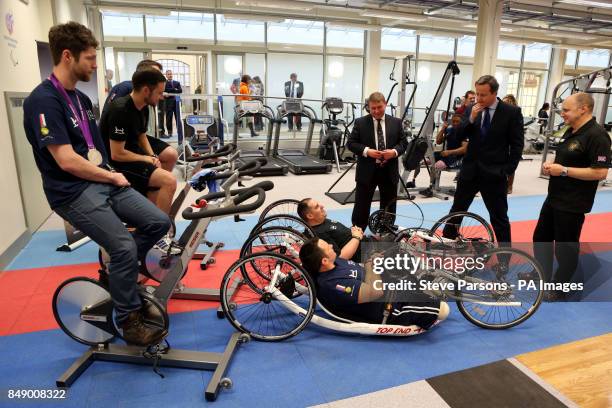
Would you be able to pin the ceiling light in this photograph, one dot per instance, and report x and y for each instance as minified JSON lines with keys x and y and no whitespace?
{"x":588,"y":3}
{"x":392,"y":15}
{"x":285,"y":5}
{"x":340,"y":24}
{"x":253,"y":17}
{"x":506,"y":30}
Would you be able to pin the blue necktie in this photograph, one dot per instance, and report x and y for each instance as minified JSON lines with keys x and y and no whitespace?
{"x":486,"y":125}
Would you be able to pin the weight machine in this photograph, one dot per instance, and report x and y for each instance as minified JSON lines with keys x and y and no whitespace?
{"x":582,"y":83}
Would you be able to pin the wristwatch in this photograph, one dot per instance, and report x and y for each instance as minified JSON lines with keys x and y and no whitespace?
{"x":564,"y":172}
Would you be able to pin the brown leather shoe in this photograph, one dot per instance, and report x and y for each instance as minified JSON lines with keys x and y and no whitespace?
{"x":136,"y":332}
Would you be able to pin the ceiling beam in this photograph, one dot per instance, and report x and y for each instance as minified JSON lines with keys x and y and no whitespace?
{"x":437,"y":9}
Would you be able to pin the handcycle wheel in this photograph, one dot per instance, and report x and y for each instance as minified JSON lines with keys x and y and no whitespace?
{"x":281,"y":240}
{"x":286,"y":206}
{"x":502,"y":308}
{"x":75,"y":296}
{"x":265,"y":313}
{"x":467,"y":230}
{"x":380,"y":222}
{"x":288,"y":221}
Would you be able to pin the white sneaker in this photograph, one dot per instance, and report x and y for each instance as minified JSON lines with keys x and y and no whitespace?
{"x":165,"y":243}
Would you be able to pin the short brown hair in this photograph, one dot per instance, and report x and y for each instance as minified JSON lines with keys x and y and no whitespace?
{"x":311,"y":257}
{"x":376,"y":97}
{"x":488,"y":80}
{"x":71,"y":36}
{"x":147,"y":77}
{"x":148,"y":63}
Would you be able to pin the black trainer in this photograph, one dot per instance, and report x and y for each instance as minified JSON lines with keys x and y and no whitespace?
{"x":136,"y":332}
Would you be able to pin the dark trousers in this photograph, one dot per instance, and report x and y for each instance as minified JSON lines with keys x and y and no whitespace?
{"x":99,"y":212}
{"x":290,"y":120}
{"x":495,"y":197}
{"x":364,"y":194}
{"x":563,"y":228}
{"x":170,"y":113}
{"x":161,"y":113}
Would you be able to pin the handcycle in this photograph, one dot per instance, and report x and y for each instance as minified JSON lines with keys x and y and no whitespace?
{"x":277,"y":297}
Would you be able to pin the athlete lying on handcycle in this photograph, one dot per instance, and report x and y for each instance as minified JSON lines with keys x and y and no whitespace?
{"x":348,"y":289}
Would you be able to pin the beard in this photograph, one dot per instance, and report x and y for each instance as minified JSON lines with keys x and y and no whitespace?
{"x":82,"y":75}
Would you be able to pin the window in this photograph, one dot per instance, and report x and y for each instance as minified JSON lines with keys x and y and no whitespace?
{"x":198,"y":26}
{"x":466,"y":46}
{"x":345,"y":40}
{"x":429,"y":75}
{"x":508,"y":79}
{"x":397,"y":39}
{"x":308,"y":35}
{"x":343,"y":77}
{"x":570,"y":59}
{"x":180,"y":72}
{"x":597,"y":58}
{"x":234,"y":31}
{"x":533,"y":88}
{"x":433,"y":45}
{"x":385,"y":83}
{"x":463,"y":81}
{"x":508,"y":51}
{"x":539,"y":53}
{"x":122,"y":26}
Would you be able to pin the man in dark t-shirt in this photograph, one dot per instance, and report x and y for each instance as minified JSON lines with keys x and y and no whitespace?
{"x":455,"y":144}
{"x":166,"y":154}
{"x":70,"y":155}
{"x":351,"y":291}
{"x":123,"y":129}
{"x":345,"y":241}
{"x":581,"y":161}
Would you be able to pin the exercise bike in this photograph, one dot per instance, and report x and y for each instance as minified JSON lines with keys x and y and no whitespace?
{"x":84,"y":309}
{"x":333,"y":139}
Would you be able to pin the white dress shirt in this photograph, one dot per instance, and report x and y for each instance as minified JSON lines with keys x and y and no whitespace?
{"x":492,"y":108}
{"x":382,"y":123}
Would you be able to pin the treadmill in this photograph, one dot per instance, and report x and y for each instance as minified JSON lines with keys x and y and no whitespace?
{"x":299,"y":161}
{"x":254,"y":108}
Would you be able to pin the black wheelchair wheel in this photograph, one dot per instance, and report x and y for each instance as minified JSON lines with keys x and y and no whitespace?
{"x":503,"y":303}
{"x":263,"y":312}
{"x":287,"y":221}
{"x":286,"y":206}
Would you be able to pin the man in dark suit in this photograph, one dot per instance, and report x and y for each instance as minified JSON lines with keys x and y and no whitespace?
{"x":495,"y":132}
{"x":378,"y":140}
{"x":172,"y":87}
{"x":294,"y":89}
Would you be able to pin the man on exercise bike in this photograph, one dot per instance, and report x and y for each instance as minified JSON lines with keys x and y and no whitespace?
{"x":123,"y":129}
{"x":345,"y":241}
{"x":348,"y":289}
{"x":166,"y":154}
{"x":71,"y":157}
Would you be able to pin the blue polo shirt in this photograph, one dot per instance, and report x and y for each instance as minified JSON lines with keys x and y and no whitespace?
{"x":48,"y":121}
{"x":338,"y":290}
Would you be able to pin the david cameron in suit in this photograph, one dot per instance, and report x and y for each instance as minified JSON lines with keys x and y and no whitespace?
{"x":378,"y":140}
{"x":496,"y":139}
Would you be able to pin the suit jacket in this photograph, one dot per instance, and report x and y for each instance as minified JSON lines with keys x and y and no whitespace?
{"x":497,"y":156}
{"x":363,"y":136}
{"x":298,"y":88}
{"x":172,"y":87}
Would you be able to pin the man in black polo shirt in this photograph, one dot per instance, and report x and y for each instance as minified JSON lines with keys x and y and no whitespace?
{"x":167,"y":154}
{"x":345,"y":241}
{"x":123,"y":129}
{"x":581,"y":161}
{"x":71,"y":157}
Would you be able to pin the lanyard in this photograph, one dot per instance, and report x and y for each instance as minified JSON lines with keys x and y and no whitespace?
{"x":82,"y":119}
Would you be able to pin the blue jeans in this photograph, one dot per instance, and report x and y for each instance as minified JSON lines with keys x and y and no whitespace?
{"x":99,"y":212}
